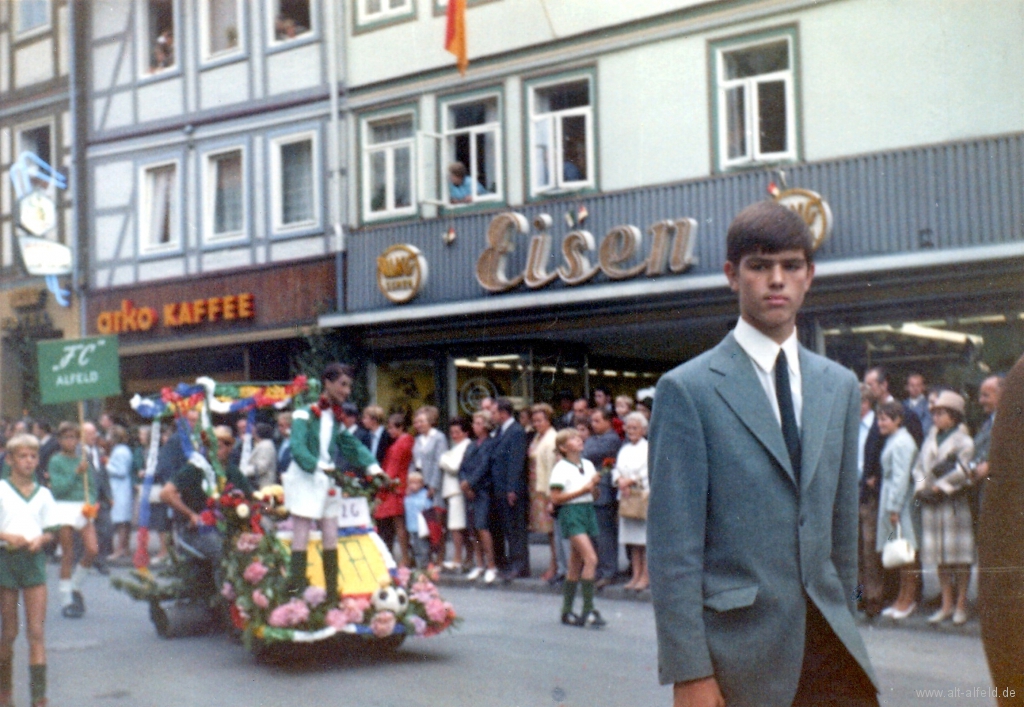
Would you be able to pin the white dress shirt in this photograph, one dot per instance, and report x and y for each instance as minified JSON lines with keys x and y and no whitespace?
{"x":862,"y":436}
{"x":763,"y":352}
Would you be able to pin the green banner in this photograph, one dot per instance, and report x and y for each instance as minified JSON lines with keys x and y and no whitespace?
{"x":78,"y":369}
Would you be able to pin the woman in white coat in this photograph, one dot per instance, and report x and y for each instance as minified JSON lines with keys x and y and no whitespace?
{"x":895,"y":504}
{"x":630,"y":475}
{"x":459,"y":430}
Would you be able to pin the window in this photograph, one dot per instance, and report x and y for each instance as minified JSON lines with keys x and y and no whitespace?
{"x":32,"y":14}
{"x":292,"y":18}
{"x":225,"y":211}
{"x":388,"y":166}
{"x":37,"y":140}
{"x":221,"y":20}
{"x":756,"y":108}
{"x":158,"y":29}
{"x":472,"y":140}
{"x":561,"y":137}
{"x":295,"y":195}
{"x":373,"y":10}
{"x":159,"y":214}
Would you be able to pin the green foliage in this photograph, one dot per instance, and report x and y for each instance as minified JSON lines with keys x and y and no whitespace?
{"x":329,"y":346}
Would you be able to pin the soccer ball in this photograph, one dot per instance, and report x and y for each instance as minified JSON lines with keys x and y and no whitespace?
{"x":391,"y":599}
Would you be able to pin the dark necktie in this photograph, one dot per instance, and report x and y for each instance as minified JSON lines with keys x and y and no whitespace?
{"x":784,"y":396}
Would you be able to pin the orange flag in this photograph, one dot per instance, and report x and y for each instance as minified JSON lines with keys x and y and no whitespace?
{"x":455,"y":34}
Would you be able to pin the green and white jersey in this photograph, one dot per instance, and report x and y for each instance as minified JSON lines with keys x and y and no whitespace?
{"x":26,"y":516}
{"x":566,"y":476}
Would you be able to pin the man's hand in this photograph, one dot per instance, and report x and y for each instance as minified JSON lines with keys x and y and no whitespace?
{"x":894,"y":519}
{"x":697,"y":693}
{"x":511,"y":498}
{"x":981,"y":471}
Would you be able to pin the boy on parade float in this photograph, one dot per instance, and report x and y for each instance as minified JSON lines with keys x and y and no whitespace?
{"x":313,"y":498}
{"x":27,"y":519}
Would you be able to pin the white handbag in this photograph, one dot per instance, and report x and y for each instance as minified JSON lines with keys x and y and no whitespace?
{"x":898,"y":551}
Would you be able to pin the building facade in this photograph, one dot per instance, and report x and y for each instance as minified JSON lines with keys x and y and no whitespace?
{"x":36,"y":64}
{"x":214,"y":169}
{"x":607,"y":146}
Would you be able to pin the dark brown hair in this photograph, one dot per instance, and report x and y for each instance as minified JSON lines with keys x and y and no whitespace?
{"x":767,"y":227}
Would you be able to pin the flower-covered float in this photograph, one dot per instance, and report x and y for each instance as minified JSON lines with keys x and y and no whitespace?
{"x":248,"y":590}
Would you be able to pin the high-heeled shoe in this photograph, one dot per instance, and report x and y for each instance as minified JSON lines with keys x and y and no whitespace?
{"x":897,"y":615}
{"x":959,"y":617}
{"x":939,"y":616}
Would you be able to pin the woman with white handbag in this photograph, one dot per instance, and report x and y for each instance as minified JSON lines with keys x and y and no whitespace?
{"x":896,"y":540}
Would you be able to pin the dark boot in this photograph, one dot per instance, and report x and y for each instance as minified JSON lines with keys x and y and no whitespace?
{"x":297,"y":574}
{"x":330,"y":558}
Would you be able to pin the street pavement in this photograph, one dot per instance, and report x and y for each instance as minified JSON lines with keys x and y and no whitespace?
{"x":509,"y":651}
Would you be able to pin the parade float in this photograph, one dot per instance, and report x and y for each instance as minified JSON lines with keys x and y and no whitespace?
{"x":247,"y":593}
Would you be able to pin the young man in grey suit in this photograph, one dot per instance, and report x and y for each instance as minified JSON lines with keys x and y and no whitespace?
{"x":752,"y":524}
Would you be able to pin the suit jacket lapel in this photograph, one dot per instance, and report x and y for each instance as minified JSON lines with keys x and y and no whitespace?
{"x":742,"y":392}
{"x":818,"y":390}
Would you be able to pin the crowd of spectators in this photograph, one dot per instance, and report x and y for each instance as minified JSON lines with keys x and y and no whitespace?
{"x":922,"y":476}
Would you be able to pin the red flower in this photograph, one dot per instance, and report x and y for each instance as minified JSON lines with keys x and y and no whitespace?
{"x":207,"y":518}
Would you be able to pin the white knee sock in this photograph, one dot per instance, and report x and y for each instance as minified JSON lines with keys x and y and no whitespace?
{"x":78,"y":577}
{"x":66,"y":588}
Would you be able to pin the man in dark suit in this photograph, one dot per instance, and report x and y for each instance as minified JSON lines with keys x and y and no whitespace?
{"x":752,"y":522}
{"x":508,"y":465}
{"x":989,"y":394}
{"x":372,"y":433}
{"x":603,"y":443}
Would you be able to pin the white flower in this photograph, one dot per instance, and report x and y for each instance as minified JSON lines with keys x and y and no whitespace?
{"x":242,"y":511}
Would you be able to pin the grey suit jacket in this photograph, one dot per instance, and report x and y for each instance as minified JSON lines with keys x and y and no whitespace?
{"x":735,"y":549}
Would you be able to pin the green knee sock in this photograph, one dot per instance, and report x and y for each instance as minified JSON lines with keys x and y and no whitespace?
{"x":568,"y":595}
{"x":588,"y":595}
{"x":37,"y":681}
{"x":6,"y":681}
{"x":297,"y":574}
{"x":330,"y":556}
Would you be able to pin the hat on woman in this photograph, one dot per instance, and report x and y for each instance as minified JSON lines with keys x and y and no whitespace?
{"x":950,"y":400}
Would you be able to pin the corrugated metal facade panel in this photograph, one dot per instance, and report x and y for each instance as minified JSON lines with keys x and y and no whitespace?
{"x":958,"y":195}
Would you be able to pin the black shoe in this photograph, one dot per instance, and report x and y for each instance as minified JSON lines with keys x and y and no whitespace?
{"x":570,"y":619}
{"x":102,"y":568}
{"x":72,"y":611}
{"x":556,"y":580}
{"x":78,"y":600}
{"x":592,"y":619}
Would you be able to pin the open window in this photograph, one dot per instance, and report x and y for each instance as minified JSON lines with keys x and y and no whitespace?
{"x":561,"y":136}
{"x":38,"y":140}
{"x":292,"y":19}
{"x":471,"y":169}
{"x":159,"y":36}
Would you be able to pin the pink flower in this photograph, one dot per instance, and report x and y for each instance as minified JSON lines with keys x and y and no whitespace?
{"x":260,"y":599}
{"x":434,"y":572}
{"x":293,"y":613}
{"x":247,"y":542}
{"x":338,"y":618}
{"x":402,"y":575}
{"x":419,"y":625}
{"x":436,"y":611}
{"x":255,"y":572}
{"x":227,"y":591}
{"x":355,"y":610}
{"x":314,"y":595}
{"x":383,"y":624}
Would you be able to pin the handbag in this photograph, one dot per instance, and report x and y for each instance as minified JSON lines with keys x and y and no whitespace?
{"x":897,"y":552}
{"x":634,"y":506}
